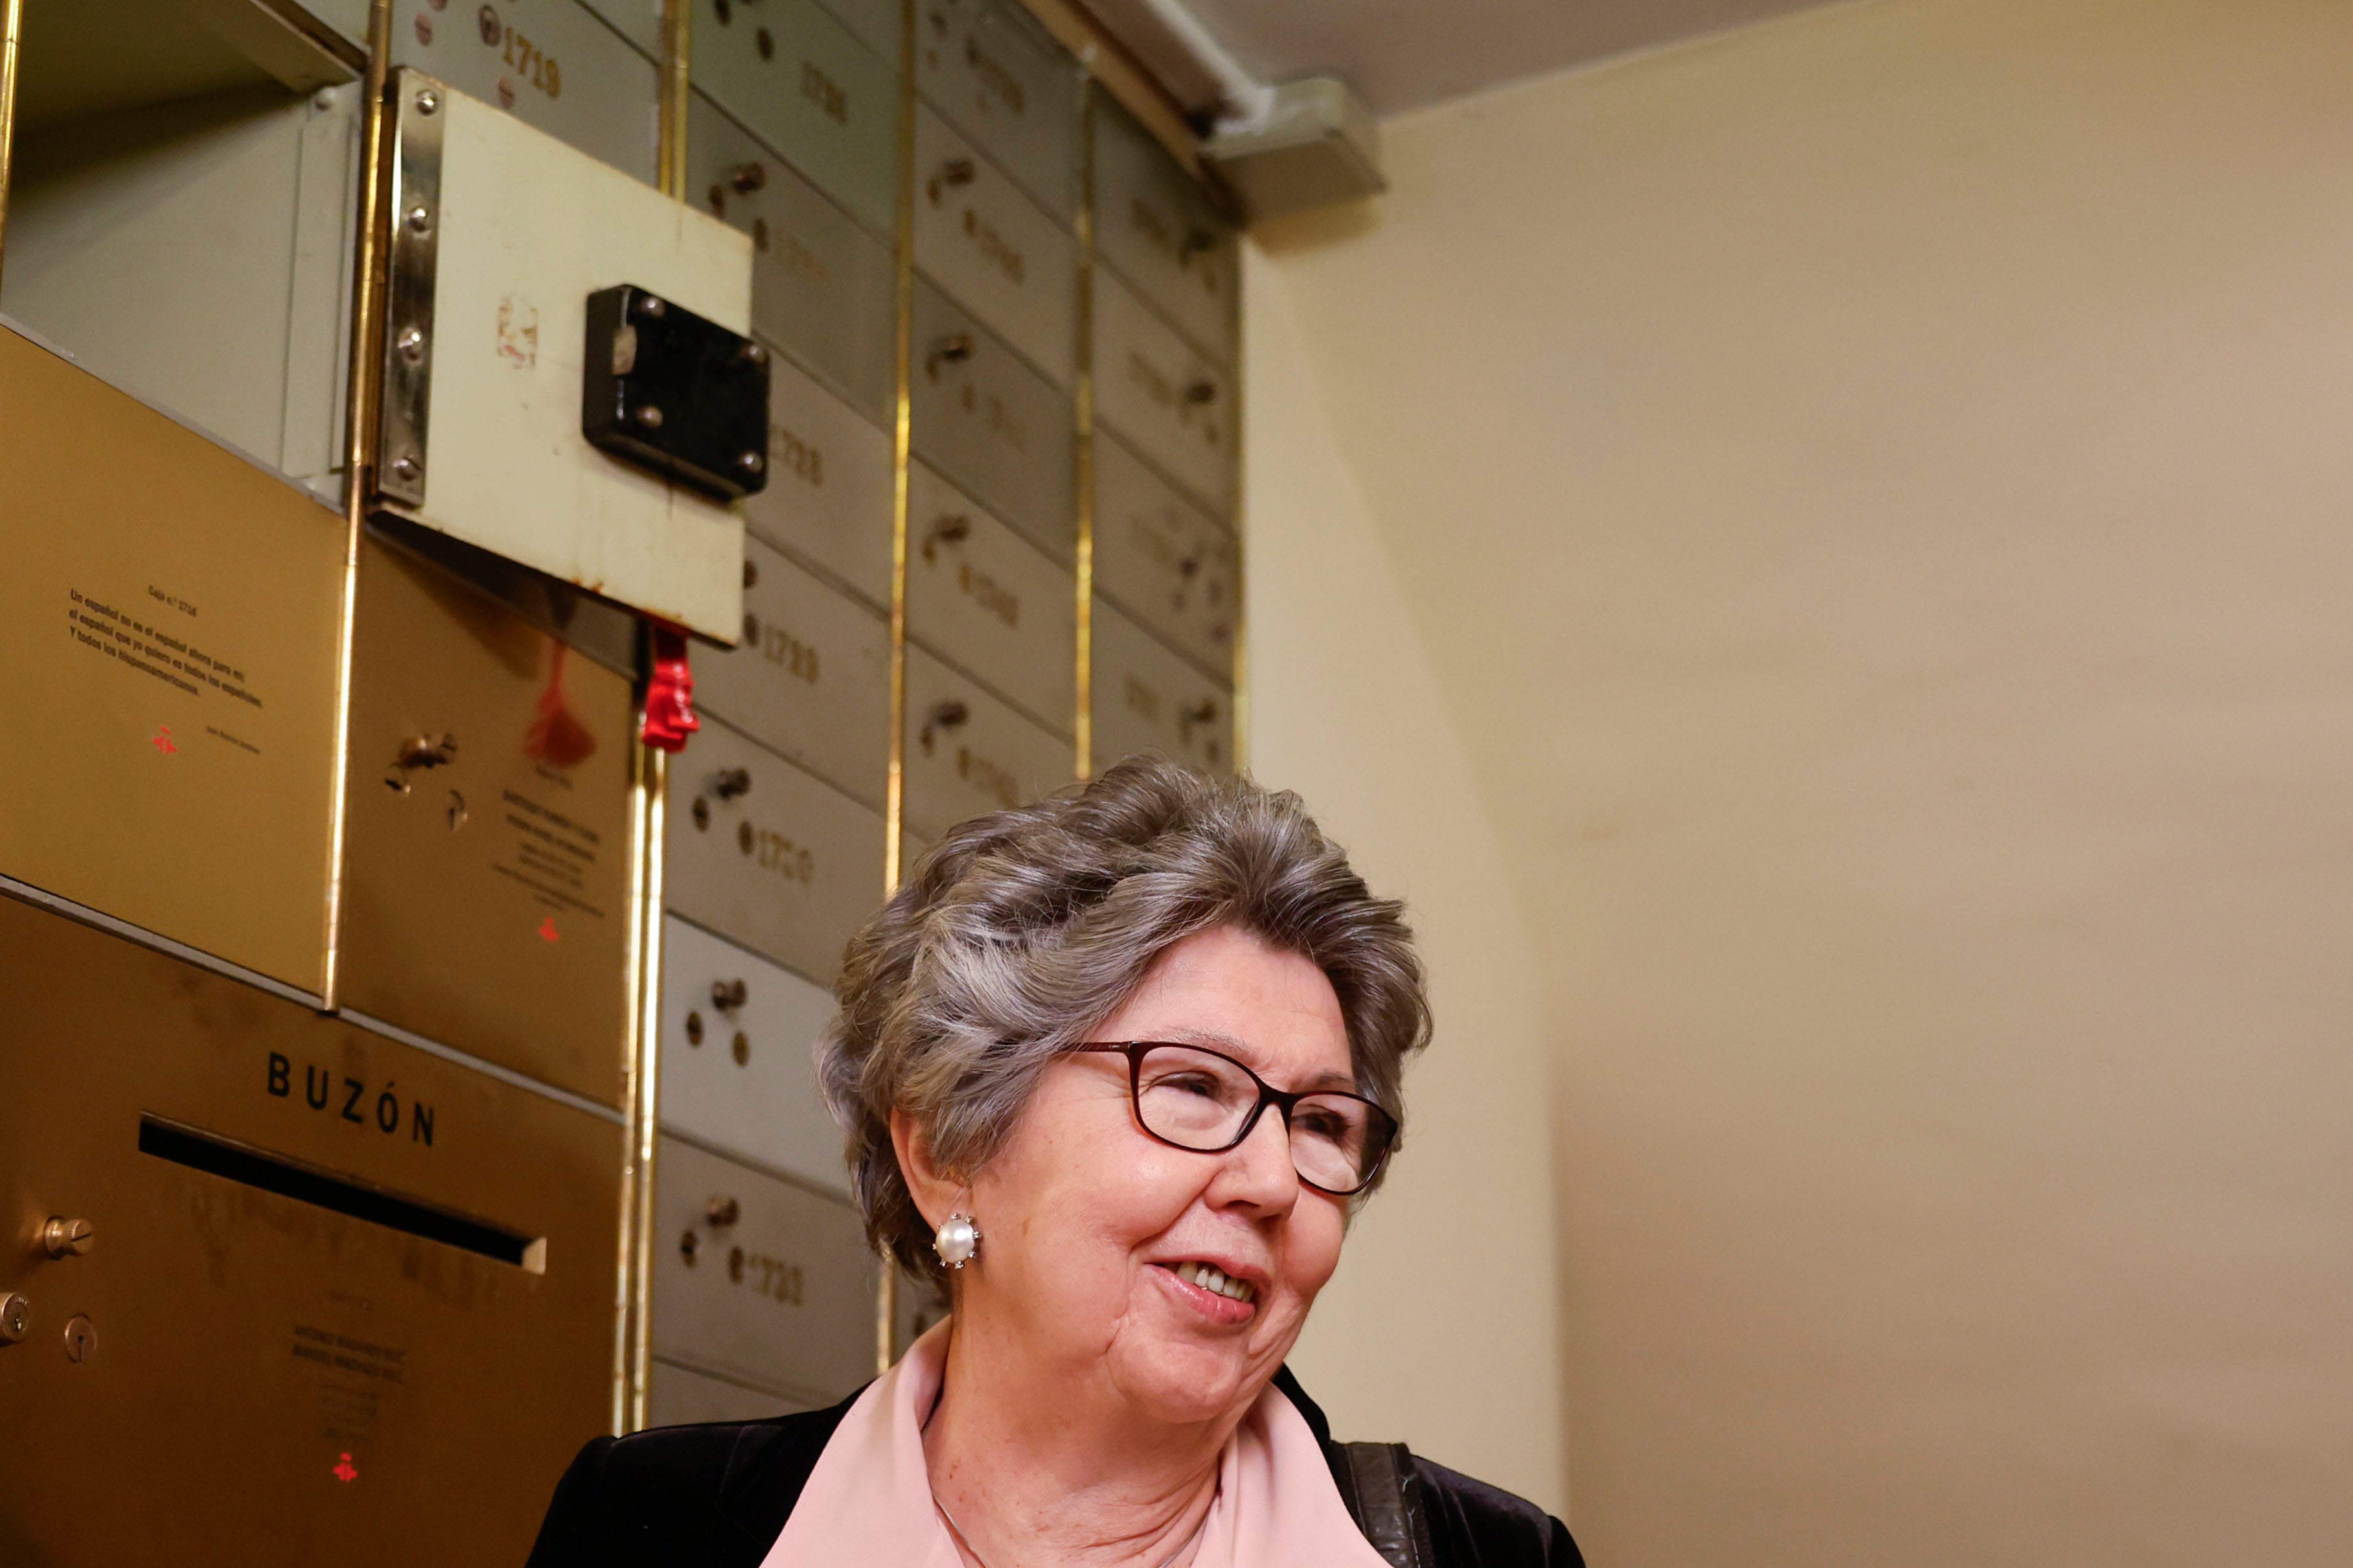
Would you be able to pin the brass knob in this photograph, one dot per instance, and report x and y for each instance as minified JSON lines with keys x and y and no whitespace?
{"x":748,"y":177}
{"x":949,"y":715}
{"x":732,"y":783}
{"x":953,"y":529}
{"x":63,"y":1237}
{"x":722,"y":1212}
{"x":953,"y":349}
{"x":728,"y":995}
{"x":15,"y":1318}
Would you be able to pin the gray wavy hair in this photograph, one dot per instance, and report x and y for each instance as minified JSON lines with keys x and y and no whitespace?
{"x":1021,"y":930}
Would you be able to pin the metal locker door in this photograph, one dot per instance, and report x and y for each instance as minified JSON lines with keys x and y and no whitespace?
{"x":1164,"y":560}
{"x":1013,"y":91}
{"x":982,"y":239}
{"x":349,"y":1303}
{"x":811,"y":678}
{"x":801,"y":82}
{"x":1146,"y":699}
{"x":737,"y":1065}
{"x":1157,"y":390}
{"x":969,"y":752}
{"x":501,"y":234}
{"x":990,"y":421}
{"x":486,"y":872}
{"x":831,"y":483}
{"x":770,"y":855}
{"x":759,"y":1281}
{"x":988,"y":601}
{"x":1156,"y":225}
{"x":555,"y":65}
{"x":177,"y":717}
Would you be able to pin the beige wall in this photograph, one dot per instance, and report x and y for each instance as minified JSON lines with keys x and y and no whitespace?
{"x":1877,"y":494}
{"x":1439,"y":1330}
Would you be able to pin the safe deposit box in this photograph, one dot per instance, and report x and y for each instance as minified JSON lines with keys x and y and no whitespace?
{"x":283,"y":1292}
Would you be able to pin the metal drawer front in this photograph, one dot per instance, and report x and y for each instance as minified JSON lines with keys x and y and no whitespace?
{"x":984,"y":598}
{"x":275,"y":1382}
{"x":1156,"y":389}
{"x":681,"y":1396}
{"x":1156,"y":225}
{"x":1146,"y":699}
{"x":182,"y":776}
{"x":640,"y":21}
{"x":1011,"y":90}
{"x":554,"y":64}
{"x":1164,"y":560}
{"x":736,"y":1068}
{"x":989,"y":245}
{"x":804,"y":85}
{"x":486,"y":871}
{"x":768,"y":855}
{"x":830,"y":494}
{"x":757,"y":1280}
{"x":822,"y":287}
{"x":967,"y":752}
{"x":875,"y":22}
{"x":992,"y":424}
{"x":811,"y":678}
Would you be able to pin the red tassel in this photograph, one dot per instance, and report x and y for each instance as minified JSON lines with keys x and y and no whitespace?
{"x":669,"y":693}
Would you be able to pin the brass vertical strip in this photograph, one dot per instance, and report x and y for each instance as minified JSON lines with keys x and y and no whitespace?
{"x":1242,"y":534}
{"x":12,"y":25}
{"x":1083,"y":412}
{"x":677,"y":55}
{"x":886,"y":1292}
{"x":362,"y":391}
{"x":633,"y":1316}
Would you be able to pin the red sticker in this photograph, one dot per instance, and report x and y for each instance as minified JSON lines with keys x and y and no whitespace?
{"x":547,"y":929}
{"x":161,"y":739}
{"x":345,"y":1472}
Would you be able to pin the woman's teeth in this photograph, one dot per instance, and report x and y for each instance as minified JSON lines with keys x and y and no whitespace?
{"x":1208,"y":1279}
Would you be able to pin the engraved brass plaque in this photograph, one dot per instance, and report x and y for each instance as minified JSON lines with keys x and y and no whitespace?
{"x":487,"y":851}
{"x":757,"y":1280}
{"x":169,"y":614}
{"x":349,"y":1303}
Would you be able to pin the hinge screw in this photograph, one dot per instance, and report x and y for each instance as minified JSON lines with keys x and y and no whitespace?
{"x":412,"y":344}
{"x":429,"y":102}
{"x":419,"y":220}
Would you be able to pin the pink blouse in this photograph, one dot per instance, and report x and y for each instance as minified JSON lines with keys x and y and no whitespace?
{"x":869,"y":1500}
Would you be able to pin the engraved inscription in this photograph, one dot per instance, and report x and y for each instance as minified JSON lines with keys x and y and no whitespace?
{"x":795,"y":862}
{"x":159,"y":651}
{"x":789,"y":454}
{"x":989,"y":777}
{"x":992,"y":597}
{"x":831,"y":99}
{"x":788,"y":653}
{"x":997,"y":251}
{"x":551,"y":853}
{"x":346,"y":1099}
{"x":992,"y":84}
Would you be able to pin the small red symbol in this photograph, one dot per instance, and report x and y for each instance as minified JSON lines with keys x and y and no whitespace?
{"x":547,"y":929}
{"x":344,"y":1471}
{"x":161,"y":739}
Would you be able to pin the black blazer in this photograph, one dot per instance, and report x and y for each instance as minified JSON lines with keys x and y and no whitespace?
{"x":717,"y":1496}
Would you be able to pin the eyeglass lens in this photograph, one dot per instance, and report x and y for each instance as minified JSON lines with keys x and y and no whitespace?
{"x":1198,"y":1099}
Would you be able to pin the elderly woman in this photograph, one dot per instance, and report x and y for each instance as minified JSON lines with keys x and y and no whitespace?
{"x":1117,"y":1069}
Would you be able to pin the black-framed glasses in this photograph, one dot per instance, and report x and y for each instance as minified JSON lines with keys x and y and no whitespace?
{"x":1189,"y":1097}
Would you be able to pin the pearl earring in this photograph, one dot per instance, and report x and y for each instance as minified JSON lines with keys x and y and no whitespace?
{"x":958,"y":1240}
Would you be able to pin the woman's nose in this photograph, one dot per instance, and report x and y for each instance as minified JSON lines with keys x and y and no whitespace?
{"x":1261,"y":1168}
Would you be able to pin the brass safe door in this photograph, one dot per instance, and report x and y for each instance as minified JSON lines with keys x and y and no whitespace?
{"x":245,"y":1371}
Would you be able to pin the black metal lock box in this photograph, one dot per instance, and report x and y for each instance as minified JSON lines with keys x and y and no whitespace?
{"x":667,"y":390}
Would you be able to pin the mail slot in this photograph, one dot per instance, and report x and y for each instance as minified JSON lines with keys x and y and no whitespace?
{"x":990,"y":422}
{"x":811,"y":678}
{"x":348,"y":1302}
{"x":767,"y":855}
{"x":1146,"y":699}
{"x":991,"y":246}
{"x":1158,"y":227}
{"x":500,"y":236}
{"x":486,"y":872}
{"x":823,"y":289}
{"x":681,"y":1396}
{"x":830,"y":485}
{"x":737,"y":1068}
{"x":988,"y":601}
{"x":967,"y":751}
{"x":1159,"y":391}
{"x":179,"y":213}
{"x":174,"y":750}
{"x":553,"y":64}
{"x":1164,"y":560}
{"x":1014,"y":91}
{"x":758,"y":1280}
{"x":803,"y":84}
